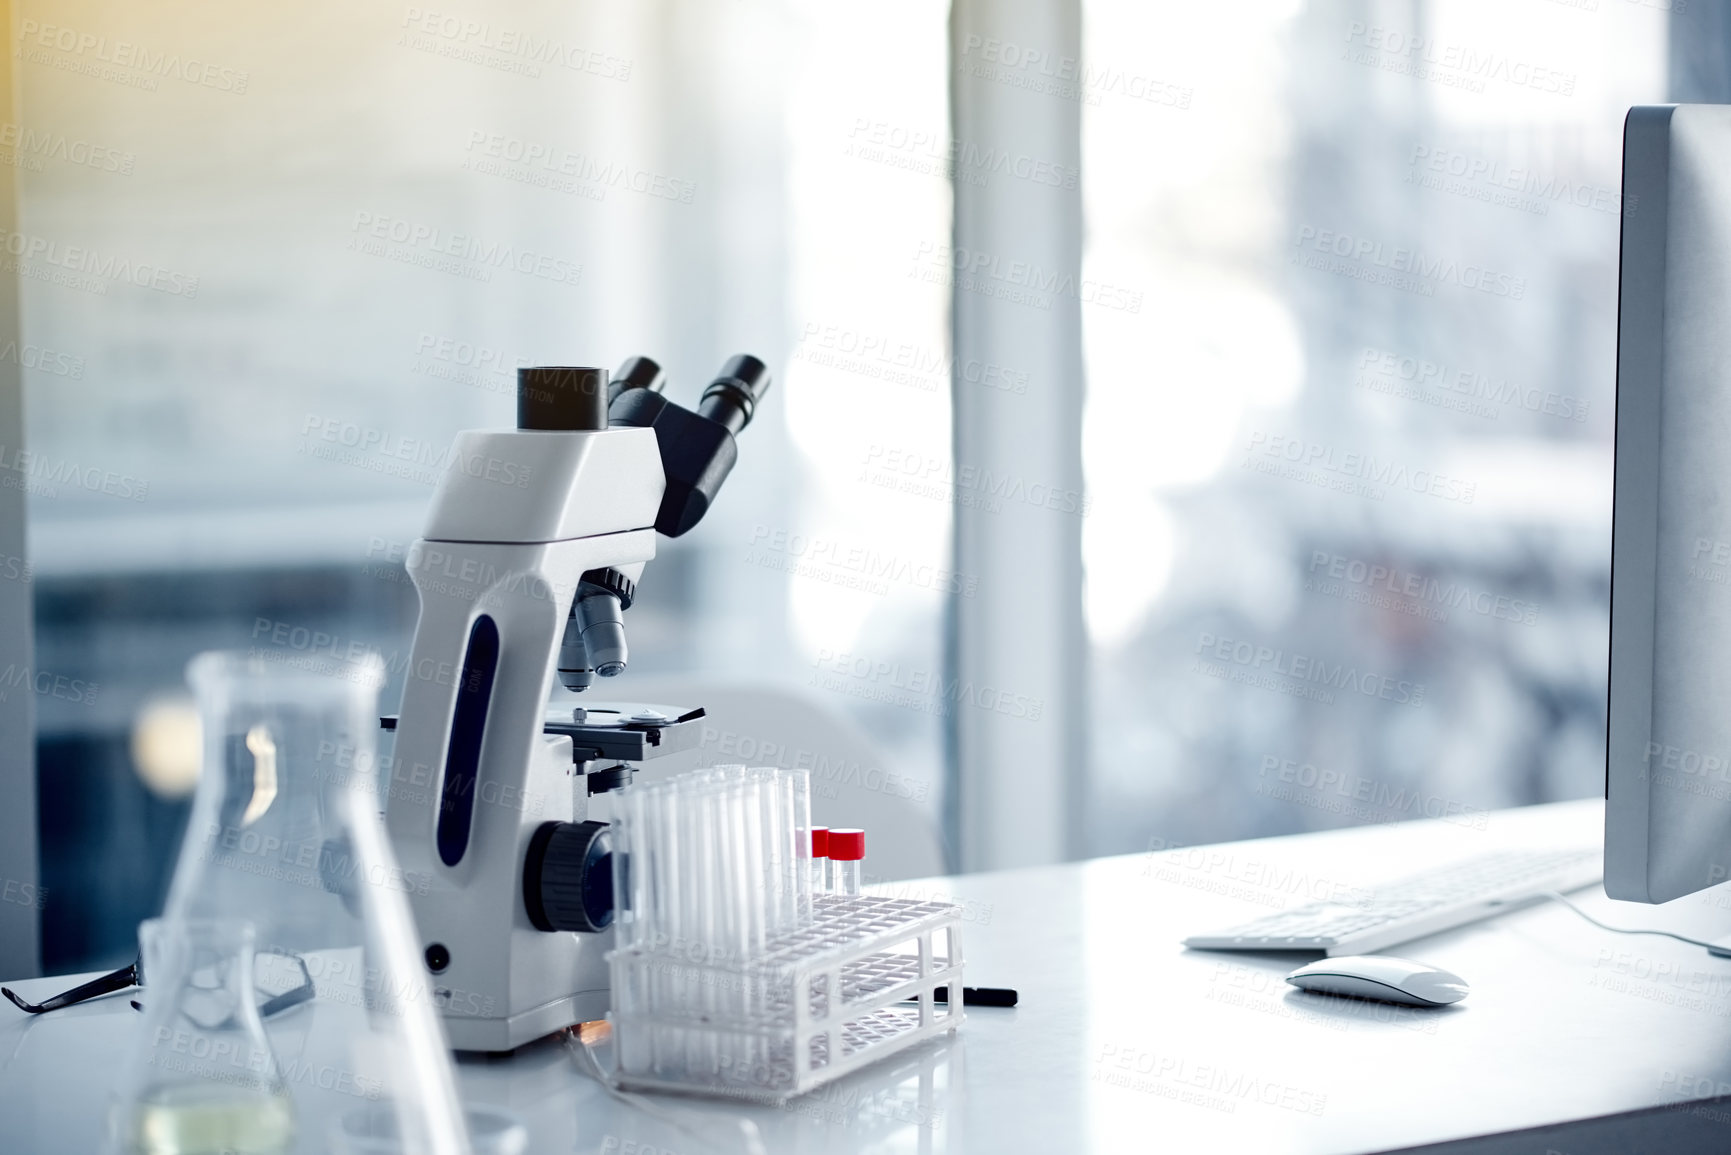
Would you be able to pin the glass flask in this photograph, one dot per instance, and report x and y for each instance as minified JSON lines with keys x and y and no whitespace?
{"x":287,"y":889}
{"x":214,"y":1083}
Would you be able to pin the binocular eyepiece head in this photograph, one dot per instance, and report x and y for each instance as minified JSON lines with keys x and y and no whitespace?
{"x":579,"y":398}
{"x":697,"y":446}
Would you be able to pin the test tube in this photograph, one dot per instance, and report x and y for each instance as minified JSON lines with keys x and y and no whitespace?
{"x":673,"y":900}
{"x":751,"y":865}
{"x":709,"y":840}
{"x":799,"y":782}
{"x":789,"y":850}
{"x":629,"y":917}
{"x":819,"y":868}
{"x":763,"y":790}
{"x":847,"y":860}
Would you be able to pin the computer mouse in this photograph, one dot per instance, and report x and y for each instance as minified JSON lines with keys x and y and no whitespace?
{"x":1379,"y":977}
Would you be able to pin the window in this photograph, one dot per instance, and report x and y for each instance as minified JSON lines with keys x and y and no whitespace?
{"x":281,"y":281}
{"x":1351,"y":461}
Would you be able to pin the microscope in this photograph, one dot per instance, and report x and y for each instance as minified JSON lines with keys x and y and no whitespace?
{"x":532,"y":551}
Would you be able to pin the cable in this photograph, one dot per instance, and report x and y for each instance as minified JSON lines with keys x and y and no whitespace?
{"x":1555,"y":897}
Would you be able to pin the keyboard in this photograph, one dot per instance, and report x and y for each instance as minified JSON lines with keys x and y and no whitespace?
{"x":1437,"y":900}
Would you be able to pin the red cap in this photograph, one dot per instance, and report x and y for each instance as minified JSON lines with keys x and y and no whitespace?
{"x":846,"y":845}
{"x":820,"y":842}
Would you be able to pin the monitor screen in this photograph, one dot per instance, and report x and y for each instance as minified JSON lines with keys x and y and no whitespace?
{"x":1668,"y":748}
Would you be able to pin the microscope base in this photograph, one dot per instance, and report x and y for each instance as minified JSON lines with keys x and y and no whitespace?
{"x":467,"y":1033}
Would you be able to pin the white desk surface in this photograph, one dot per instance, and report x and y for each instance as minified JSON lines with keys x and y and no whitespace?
{"x":1126,"y":1041}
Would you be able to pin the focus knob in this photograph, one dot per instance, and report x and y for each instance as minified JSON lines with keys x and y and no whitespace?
{"x":568,"y":877}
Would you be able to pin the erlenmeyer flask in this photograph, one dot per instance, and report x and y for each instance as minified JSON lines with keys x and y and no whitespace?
{"x":285,"y":838}
{"x":213,"y":1084}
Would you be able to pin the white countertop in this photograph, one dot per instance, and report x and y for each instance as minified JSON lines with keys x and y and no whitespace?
{"x":1124,"y":1040}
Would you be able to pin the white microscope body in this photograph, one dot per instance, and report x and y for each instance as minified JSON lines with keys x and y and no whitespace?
{"x":489,"y":804}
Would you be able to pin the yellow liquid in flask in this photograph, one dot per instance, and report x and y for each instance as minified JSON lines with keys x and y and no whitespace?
{"x":213,"y":1119}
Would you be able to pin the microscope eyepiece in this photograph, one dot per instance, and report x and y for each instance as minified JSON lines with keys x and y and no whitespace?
{"x":735,"y":392}
{"x":561,"y":397}
{"x":636,"y":373}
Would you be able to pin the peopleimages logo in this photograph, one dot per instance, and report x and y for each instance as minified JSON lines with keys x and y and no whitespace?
{"x":43,"y":360}
{"x":1450,"y":64}
{"x":508,"y":49}
{"x":828,"y":774}
{"x":32,"y":250}
{"x":26,"y":467}
{"x":1359,"y":473}
{"x":445,"y":251}
{"x":1019,"y":281}
{"x":919,"y":689}
{"x":1365,"y":799}
{"x":1425,"y":597}
{"x":47,"y":684}
{"x":1066,"y":77}
{"x":468,"y":363}
{"x":117,"y":60}
{"x":902,"y":147}
{"x":935,"y":475}
{"x":1686,"y":771}
{"x":1709,"y":560}
{"x":1687,"y":761}
{"x":1303,"y":670}
{"x":542,"y":163}
{"x":874,"y":568}
{"x":899,"y":362}
{"x":1403,"y":375}
{"x":1514,"y":186}
{"x":40,"y":143}
{"x":381,"y":451}
{"x":1369,"y":254}
{"x":1121,"y":1066}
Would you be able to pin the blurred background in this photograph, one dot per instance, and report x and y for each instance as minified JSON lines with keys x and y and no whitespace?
{"x":1348,"y":392}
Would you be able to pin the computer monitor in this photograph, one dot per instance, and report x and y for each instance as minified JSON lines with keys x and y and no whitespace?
{"x":1668,"y":745}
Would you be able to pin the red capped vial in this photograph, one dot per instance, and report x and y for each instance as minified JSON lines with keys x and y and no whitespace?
{"x":847,"y":860}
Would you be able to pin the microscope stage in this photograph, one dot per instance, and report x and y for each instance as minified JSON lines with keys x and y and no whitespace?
{"x":625,"y":731}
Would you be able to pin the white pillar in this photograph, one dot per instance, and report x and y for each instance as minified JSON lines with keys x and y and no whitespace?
{"x":1018,"y":649}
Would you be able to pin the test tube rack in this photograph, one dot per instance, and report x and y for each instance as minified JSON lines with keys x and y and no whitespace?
{"x":854,"y":984}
